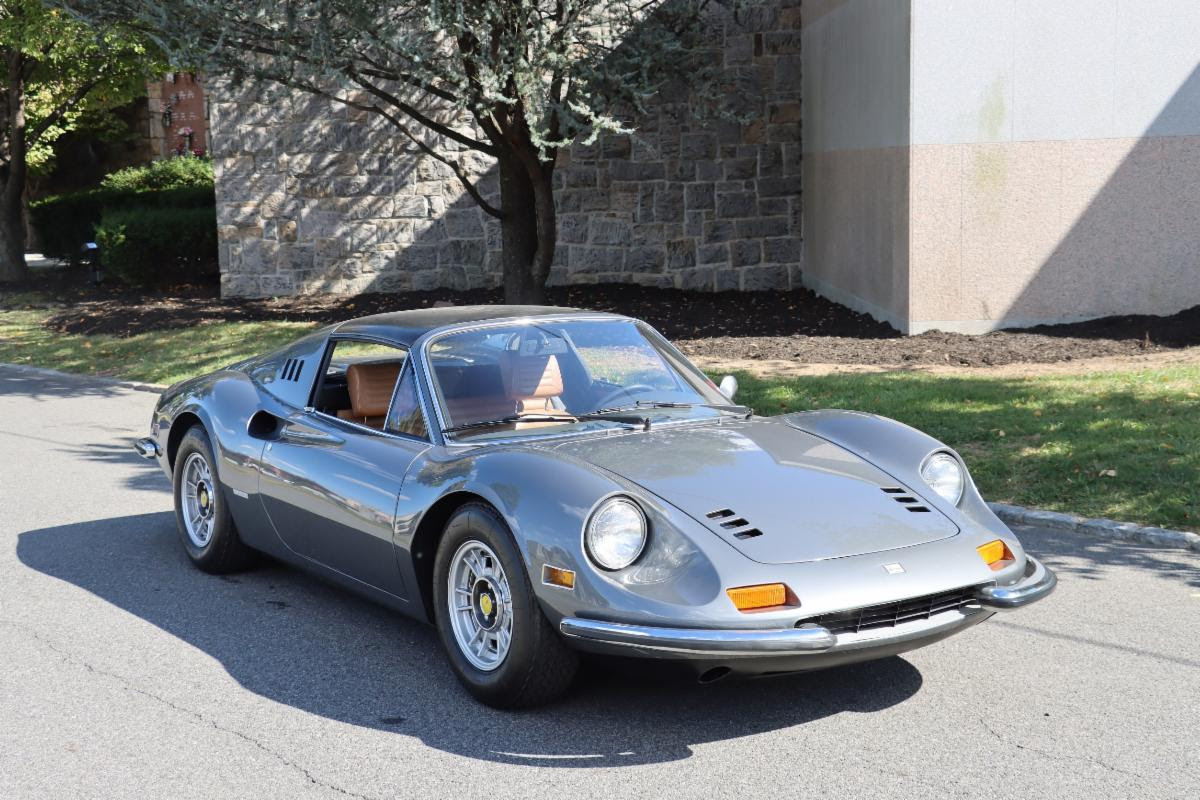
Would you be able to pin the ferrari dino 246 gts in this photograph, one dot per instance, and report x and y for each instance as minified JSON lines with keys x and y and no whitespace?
{"x":541,"y":481}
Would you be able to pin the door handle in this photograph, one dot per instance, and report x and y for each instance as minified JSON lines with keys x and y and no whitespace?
{"x":296,"y":435}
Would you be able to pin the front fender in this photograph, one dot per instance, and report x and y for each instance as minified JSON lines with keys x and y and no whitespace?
{"x":546,"y":497}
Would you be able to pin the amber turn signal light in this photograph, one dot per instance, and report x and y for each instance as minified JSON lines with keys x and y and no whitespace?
{"x":557,"y":576}
{"x":995,"y":553}
{"x":765,"y":595}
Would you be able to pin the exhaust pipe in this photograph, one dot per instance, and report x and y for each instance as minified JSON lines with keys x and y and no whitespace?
{"x":713,"y":675}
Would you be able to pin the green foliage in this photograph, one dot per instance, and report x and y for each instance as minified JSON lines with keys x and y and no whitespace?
{"x":145,"y":245}
{"x":548,"y":69}
{"x":67,"y":69}
{"x":170,"y":173}
{"x":66,"y":222}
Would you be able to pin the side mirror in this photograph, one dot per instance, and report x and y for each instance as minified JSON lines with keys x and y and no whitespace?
{"x":729,"y":386}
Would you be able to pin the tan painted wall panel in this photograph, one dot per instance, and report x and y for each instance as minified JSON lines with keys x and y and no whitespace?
{"x":1053,"y":231}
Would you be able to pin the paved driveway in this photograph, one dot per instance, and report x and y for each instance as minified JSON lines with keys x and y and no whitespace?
{"x":125,"y":673}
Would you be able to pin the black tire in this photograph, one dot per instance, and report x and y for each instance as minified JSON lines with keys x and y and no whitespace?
{"x":539,"y":666}
{"x":223,"y":552}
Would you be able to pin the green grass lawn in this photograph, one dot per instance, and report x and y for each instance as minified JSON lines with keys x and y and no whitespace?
{"x":1122,"y":445}
{"x":157,"y":357}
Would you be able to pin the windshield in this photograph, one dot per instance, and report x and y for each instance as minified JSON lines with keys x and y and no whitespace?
{"x":537,"y":377}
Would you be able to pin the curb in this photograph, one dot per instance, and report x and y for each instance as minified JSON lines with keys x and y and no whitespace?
{"x":42,"y":372}
{"x":1107,"y":528}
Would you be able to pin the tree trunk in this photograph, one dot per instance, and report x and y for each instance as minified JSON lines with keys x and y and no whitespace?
{"x":518,"y":235}
{"x":12,"y":238}
{"x":528,"y":230}
{"x":12,"y":172}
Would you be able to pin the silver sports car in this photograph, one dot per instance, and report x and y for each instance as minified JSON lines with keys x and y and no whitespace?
{"x":542,"y":481}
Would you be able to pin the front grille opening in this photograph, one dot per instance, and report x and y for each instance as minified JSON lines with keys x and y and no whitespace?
{"x":894,"y":490}
{"x":735,"y":523}
{"x":889,"y":615}
{"x":917,"y":509}
{"x":748,"y":534}
{"x":720,"y":513}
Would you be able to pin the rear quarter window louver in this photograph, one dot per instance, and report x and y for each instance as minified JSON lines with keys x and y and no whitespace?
{"x":291,"y":369}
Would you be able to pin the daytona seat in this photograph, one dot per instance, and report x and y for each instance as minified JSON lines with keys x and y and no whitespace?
{"x":370,"y":387}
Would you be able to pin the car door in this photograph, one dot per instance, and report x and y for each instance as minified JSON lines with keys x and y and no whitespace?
{"x":330,"y":487}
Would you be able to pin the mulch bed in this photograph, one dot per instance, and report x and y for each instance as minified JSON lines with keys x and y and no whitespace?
{"x":794,"y":326}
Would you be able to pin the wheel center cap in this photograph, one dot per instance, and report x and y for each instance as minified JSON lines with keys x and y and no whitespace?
{"x":484,"y":605}
{"x":202,"y":496}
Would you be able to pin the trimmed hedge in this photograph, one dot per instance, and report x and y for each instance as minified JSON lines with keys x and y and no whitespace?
{"x":158,"y":245}
{"x":66,"y":222}
{"x":170,"y":173}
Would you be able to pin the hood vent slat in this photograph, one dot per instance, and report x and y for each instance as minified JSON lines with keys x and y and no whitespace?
{"x":730,"y":521}
{"x":902,"y":496}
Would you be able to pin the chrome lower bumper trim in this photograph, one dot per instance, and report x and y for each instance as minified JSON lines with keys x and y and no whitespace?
{"x":778,"y":641}
{"x":1038,"y":582}
{"x":147,"y":447}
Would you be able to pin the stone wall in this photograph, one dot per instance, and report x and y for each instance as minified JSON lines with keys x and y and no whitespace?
{"x":314,"y":196}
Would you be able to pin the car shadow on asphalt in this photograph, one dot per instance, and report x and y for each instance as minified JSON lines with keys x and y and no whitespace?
{"x":297,"y":641}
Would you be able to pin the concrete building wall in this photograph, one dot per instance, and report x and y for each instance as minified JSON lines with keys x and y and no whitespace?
{"x":855,"y":140}
{"x":1028,"y":161}
{"x":1055,"y":163}
{"x":315,"y":197}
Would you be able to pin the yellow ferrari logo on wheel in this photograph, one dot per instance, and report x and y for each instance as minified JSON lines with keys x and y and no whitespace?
{"x":485,"y":604}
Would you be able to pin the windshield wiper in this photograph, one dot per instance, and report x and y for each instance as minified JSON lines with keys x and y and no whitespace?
{"x":592,"y":416}
{"x":731,"y":408}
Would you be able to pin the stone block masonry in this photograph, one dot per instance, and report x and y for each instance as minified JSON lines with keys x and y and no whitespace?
{"x":313,"y":196}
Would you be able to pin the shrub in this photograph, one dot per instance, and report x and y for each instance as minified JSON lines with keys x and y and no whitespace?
{"x":66,"y":222}
{"x":143,"y":245}
{"x":170,"y":173}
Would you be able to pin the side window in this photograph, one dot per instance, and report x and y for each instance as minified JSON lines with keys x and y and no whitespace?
{"x":406,"y":408}
{"x":359,"y":380}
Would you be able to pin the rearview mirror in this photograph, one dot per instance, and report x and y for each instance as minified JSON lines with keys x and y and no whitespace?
{"x":729,"y":386}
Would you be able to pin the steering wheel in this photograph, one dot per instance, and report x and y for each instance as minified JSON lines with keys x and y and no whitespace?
{"x":624,"y":390}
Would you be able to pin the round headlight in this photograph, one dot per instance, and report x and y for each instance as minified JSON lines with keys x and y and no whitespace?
{"x":616,"y":533}
{"x":944,"y":475}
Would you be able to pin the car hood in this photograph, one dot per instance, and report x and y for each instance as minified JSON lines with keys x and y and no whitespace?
{"x":777,"y":494}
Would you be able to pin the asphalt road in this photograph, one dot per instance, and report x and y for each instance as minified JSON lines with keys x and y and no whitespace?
{"x":126,"y":673}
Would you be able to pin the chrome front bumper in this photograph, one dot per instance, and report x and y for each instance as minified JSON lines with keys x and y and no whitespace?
{"x":697,"y":641}
{"x":1038,"y":582}
{"x":147,"y":447}
{"x":809,"y":640}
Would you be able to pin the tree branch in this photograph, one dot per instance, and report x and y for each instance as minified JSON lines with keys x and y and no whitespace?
{"x":35,"y":133}
{"x":455,"y":167}
{"x":421,"y":118}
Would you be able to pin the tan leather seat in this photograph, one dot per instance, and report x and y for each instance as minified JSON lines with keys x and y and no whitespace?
{"x":533,"y":383}
{"x":370,"y":387}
